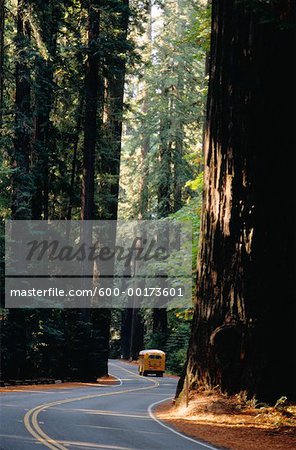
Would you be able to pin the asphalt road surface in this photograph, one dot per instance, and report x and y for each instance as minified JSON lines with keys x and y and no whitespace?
{"x":91,"y":418}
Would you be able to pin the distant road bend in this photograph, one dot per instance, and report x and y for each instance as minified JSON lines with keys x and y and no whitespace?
{"x":91,"y":418}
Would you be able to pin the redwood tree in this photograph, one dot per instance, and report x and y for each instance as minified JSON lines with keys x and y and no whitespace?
{"x":91,"y":106}
{"x":49,"y":17}
{"x":22,"y":143}
{"x":2,"y":22}
{"x":16,"y":325}
{"x":104,"y":90}
{"x":242,"y":336}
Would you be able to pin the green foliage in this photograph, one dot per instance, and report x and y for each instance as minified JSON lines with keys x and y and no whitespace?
{"x":155,"y":340}
{"x":196,"y":184}
{"x":5,"y":176}
{"x":51,"y":47}
{"x":199,"y":33}
{"x":162,"y":164}
{"x":177,"y":341}
{"x":161,"y":155}
{"x":166,"y":103}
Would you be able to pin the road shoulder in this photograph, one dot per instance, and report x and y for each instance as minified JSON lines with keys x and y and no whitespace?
{"x":214,"y":421}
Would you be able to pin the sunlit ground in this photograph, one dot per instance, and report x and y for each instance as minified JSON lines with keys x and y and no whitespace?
{"x":233,"y":423}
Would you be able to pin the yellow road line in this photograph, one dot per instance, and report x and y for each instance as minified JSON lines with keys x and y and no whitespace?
{"x":31,"y":417}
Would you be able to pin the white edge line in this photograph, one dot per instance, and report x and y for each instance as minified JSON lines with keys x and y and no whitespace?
{"x":151,"y":380}
{"x":119,"y":379}
{"x":150,"y":407}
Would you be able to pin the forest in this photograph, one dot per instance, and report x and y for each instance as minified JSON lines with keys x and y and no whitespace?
{"x":150,"y":110}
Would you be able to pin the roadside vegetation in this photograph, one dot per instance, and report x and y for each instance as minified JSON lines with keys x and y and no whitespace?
{"x":162,"y":110}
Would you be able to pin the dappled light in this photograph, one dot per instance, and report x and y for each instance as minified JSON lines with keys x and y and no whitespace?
{"x":147,"y":224}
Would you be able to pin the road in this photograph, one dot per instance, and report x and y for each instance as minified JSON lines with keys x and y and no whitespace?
{"x":91,"y":418}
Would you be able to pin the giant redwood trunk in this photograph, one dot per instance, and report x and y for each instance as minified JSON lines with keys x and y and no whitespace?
{"x":242,"y":336}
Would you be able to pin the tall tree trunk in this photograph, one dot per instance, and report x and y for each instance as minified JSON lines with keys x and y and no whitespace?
{"x":74,"y":160}
{"x":116,"y":17}
{"x":115,"y":69}
{"x":22,"y":142}
{"x":91,"y":107}
{"x":86,"y":367}
{"x":21,"y":190}
{"x":164,"y":193}
{"x":49,"y":17}
{"x":164,"y":200}
{"x":137,"y":334}
{"x":136,"y":326}
{"x":145,"y":147}
{"x":178,"y":179}
{"x":99,"y":319}
{"x":178,"y":151}
{"x":132,"y":333}
{"x":2,"y":22}
{"x":242,"y":334}
{"x":160,"y":322}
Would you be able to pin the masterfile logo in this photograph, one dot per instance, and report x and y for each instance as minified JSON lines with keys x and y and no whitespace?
{"x":114,"y":263}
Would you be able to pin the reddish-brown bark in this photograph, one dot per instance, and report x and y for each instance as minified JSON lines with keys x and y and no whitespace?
{"x":242,"y":335}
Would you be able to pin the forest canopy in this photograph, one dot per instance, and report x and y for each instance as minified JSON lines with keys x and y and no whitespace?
{"x":102,"y":112}
{"x":158,"y":110}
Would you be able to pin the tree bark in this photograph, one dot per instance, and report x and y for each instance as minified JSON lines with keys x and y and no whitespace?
{"x":114,"y":74}
{"x":22,"y":143}
{"x":164,"y":194}
{"x":91,"y":107}
{"x":2,"y":23}
{"x":112,"y":94}
{"x":242,"y":333}
{"x":145,"y":147}
{"x":16,"y":341}
{"x":74,"y":161}
{"x":132,"y":333}
{"x":49,"y":17}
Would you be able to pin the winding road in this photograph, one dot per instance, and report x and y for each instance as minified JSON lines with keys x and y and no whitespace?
{"x":93,"y":417}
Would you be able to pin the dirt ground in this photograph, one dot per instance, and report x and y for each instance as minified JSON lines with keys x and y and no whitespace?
{"x":232,"y":424}
{"x":106,"y":381}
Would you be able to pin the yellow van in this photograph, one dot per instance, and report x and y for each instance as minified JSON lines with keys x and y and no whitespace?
{"x":151,"y":361}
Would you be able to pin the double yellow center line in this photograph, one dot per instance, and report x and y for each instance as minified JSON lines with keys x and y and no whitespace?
{"x":31,"y":417}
